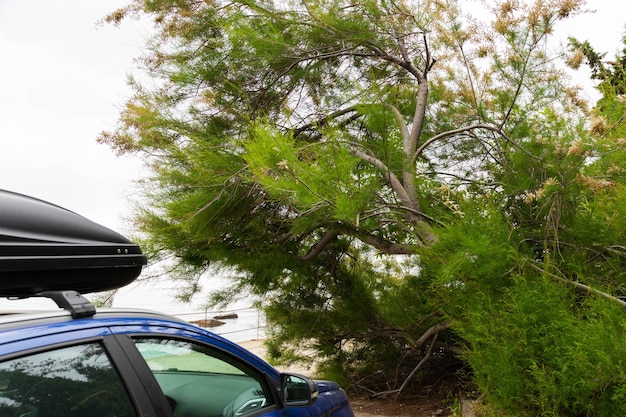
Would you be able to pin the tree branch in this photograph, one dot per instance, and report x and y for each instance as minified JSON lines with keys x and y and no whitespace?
{"x":578,"y":285}
{"x":432,"y":333}
{"x":454,"y":132}
{"x":425,"y":359}
{"x":422,"y":97}
{"x":433,"y":330}
{"x":319,"y":246}
{"x":407,"y":65}
{"x":391,"y":178}
{"x":322,"y":120}
{"x":399,"y":120}
{"x":383,"y":245}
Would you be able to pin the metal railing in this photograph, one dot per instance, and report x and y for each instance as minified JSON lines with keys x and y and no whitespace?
{"x":248,"y":325}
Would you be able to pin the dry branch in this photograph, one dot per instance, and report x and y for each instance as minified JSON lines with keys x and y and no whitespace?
{"x":579,"y":285}
{"x":432,"y":333}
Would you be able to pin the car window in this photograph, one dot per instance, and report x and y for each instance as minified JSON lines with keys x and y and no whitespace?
{"x":199,"y":381}
{"x":76,"y":381}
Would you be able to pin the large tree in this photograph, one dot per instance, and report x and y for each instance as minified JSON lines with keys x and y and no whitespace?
{"x":377,"y":171}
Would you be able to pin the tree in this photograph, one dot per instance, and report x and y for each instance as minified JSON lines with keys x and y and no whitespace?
{"x":377,"y":171}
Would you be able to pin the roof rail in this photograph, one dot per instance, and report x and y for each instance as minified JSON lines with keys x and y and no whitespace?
{"x":71,"y":301}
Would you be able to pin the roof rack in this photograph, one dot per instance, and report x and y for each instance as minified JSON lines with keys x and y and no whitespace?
{"x":71,"y":301}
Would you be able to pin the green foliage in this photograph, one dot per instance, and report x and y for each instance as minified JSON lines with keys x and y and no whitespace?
{"x":371,"y":169}
{"x":539,"y":349}
{"x":535,"y":346}
{"x":300,"y":176}
{"x":354,"y":323}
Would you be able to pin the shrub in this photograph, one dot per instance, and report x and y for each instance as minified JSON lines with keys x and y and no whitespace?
{"x":540,"y":349}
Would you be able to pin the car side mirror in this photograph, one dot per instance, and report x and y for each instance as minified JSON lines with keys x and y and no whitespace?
{"x":298,"y":390}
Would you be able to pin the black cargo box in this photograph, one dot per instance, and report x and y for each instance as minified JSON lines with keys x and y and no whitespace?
{"x":44,"y":247}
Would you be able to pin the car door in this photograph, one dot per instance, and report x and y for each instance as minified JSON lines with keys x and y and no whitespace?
{"x":139,"y":370}
{"x":70,"y":374}
{"x":201,"y":380}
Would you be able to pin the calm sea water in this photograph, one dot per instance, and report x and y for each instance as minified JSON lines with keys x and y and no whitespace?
{"x":159,"y":296}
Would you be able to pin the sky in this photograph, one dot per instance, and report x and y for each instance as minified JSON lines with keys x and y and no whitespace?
{"x":63,"y":80}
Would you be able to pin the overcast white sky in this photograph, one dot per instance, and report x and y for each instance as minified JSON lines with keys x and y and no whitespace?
{"x":63,"y":80}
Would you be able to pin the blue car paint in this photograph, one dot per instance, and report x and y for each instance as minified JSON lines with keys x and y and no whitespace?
{"x":30,"y":337}
{"x":16,"y":340}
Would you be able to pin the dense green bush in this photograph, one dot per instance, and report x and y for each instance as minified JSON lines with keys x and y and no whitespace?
{"x":544,"y":350}
{"x":535,"y":345}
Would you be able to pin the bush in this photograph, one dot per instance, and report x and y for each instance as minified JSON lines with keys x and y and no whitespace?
{"x":542,"y":350}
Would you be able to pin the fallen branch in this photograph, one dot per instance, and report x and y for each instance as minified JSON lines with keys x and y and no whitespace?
{"x":433,"y":330}
{"x":426,"y":357}
{"x":432,"y":333}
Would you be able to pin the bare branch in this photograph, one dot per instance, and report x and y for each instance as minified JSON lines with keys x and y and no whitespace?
{"x":433,"y":330}
{"x":319,"y":246}
{"x":422,"y":97}
{"x":323,"y":120}
{"x":391,"y":178}
{"x":432,"y":333}
{"x":381,"y":244}
{"x":399,"y":120}
{"x":578,"y":285}
{"x":425,"y":359}
{"x":385,"y":246}
{"x":465,"y":129}
{"x":407,"y":65}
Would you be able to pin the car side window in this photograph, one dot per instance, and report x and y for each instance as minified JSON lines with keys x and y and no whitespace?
{"x":199,"y":381}
{"x":75,"y":381}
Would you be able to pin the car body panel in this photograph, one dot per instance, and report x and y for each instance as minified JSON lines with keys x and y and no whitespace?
{"x":43,"y":332}
{"x":14,"y":342}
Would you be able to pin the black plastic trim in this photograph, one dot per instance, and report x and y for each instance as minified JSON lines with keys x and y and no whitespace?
{"x":71,"y":301}
{"x":124,"y":368}
{"x":141,"y":375}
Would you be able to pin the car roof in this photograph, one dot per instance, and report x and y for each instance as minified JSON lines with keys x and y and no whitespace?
{"x":64,"y":320}
{"x":18,"y":326}
{"x":8,"y":317}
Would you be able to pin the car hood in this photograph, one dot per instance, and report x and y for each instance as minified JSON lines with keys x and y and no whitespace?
{"x":324,"y":386}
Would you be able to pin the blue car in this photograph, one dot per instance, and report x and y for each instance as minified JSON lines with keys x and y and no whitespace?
{"x":79,"y":361}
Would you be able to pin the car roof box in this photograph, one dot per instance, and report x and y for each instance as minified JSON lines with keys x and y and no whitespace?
{"x":44,"y":247}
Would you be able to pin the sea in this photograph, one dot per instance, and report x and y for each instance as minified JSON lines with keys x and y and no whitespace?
{"x":249,"y":323}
